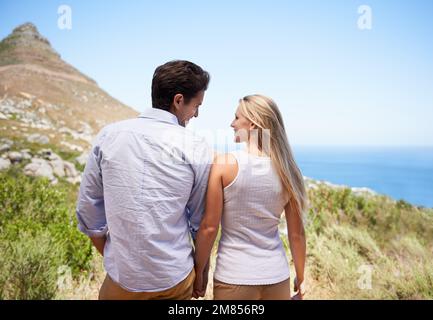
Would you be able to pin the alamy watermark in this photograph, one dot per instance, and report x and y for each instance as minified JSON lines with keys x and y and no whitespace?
{"x":64,"y":21}
{"x":365,"y":280}
{"x":365,"y":19}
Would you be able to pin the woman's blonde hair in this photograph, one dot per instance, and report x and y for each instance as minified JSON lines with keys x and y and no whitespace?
{"x":263,"y":112}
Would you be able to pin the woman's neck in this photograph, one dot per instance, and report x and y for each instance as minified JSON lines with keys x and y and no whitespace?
{"x":253,"y":149}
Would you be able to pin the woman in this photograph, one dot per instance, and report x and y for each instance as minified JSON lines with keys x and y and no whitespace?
{"x":247,"y":192}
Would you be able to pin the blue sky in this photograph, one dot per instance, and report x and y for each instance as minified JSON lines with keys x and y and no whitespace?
{"x":335,"y":84}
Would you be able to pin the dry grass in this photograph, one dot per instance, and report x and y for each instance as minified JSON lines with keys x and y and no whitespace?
{"x":87,"y":286}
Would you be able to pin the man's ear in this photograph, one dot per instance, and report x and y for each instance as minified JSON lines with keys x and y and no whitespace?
{"x":177,"y":101}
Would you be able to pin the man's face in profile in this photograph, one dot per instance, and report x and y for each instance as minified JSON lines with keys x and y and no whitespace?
{"x":187,"y":111}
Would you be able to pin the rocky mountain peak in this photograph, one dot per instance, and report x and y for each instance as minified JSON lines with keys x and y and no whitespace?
{"x":26,"y":29}
{"x":27,"y":35}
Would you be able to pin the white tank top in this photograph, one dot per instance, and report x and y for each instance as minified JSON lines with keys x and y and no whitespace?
{"x":250,"y":251}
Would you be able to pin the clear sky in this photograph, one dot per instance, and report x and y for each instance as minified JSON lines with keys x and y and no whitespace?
{"x":335,"y":84}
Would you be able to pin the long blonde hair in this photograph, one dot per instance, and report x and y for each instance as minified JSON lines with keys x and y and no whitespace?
{"x":263,"y":112}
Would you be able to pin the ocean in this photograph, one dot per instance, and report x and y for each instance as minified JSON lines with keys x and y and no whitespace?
{"x":399,"y":172}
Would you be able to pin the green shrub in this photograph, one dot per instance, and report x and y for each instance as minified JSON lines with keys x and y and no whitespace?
{"x":30,"y":266}
{"x":38,"y":234}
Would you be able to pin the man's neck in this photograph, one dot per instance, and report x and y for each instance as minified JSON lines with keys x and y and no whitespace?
{"x":181,"y":123}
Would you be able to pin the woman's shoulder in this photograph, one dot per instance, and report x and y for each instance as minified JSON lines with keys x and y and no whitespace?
{"x":227,"y":167}
{"x":225,"y":159}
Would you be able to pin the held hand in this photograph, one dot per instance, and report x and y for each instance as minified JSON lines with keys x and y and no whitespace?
{"x":199,"y":289}
{"x":200,"y":283}
{"x":205,"y":277}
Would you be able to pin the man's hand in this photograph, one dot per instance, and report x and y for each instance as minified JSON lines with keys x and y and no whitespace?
{"x":200,"y":283}
{"x":99,"y":244}
{"x":198,"y":287}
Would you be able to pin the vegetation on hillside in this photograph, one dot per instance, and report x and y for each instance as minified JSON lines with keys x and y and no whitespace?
{"x":359,"y":247}
{"x":368,"y":247}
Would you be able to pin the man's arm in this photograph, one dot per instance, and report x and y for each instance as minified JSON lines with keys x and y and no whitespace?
{"x":90,"y":205}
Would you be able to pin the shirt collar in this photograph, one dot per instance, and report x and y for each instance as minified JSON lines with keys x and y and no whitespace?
{"x":159,"y":114}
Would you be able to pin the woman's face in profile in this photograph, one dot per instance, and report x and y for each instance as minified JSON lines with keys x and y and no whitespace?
{"x":241,"y":126}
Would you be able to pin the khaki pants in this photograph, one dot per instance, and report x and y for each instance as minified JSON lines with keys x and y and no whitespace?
{"x":110,"y":290}
{"x":277,"y":291}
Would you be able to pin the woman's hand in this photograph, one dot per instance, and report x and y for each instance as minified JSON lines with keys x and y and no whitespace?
{"x":200,"y":284}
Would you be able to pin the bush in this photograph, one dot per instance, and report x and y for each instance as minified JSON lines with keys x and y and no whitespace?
{"x":38,"y":234}
{"x":30,"y":267}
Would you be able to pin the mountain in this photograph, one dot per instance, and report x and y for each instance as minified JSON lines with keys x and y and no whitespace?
{"x":45,"y":99}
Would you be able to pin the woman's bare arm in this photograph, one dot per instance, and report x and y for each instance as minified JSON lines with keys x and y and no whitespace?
{"x":208,"y":230}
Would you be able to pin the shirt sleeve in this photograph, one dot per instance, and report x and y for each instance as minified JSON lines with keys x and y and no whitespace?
{"x":201,"y":165}
{"x":90,"y":209}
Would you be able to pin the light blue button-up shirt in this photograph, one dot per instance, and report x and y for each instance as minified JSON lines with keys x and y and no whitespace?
{"x":144,"y":187}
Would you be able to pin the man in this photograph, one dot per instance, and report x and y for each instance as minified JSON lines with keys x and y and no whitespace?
{"x":143,"y":191}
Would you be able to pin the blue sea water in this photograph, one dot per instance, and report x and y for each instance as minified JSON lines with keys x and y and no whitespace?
{"x":399,"y":172}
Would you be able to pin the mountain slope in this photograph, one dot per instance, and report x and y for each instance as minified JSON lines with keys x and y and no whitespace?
{"x":42,"y":94}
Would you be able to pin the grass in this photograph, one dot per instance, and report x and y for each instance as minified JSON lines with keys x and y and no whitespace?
{"x":359,"y":247}
{"x":352,"y":239}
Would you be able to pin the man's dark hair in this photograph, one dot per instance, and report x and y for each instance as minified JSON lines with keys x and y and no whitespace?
{"x":177,"y":77}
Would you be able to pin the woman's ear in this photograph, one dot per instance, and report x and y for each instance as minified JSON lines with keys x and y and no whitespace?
{"x":252,"y":126}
